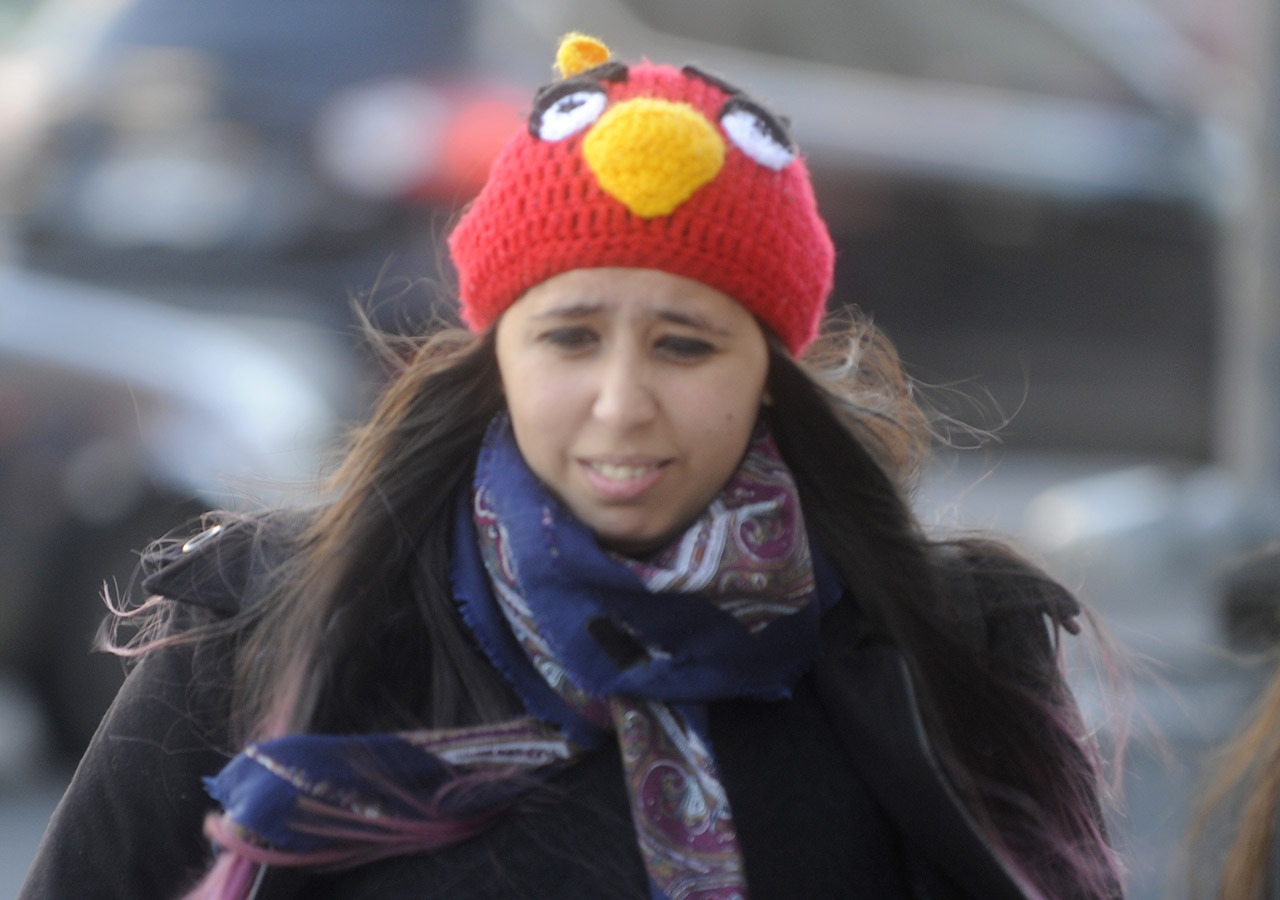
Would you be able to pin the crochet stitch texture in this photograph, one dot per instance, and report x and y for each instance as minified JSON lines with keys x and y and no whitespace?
{"x":649,"y":166}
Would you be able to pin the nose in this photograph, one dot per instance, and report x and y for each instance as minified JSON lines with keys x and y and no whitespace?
{"x":624,"y":394}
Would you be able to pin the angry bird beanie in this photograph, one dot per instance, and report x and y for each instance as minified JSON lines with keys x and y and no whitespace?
{"x":648,"y":166}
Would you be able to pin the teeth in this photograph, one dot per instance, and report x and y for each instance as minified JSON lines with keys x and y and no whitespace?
{"x":621,"y":473}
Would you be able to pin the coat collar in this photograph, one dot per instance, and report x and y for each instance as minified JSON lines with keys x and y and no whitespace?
{"x":226,"y":567}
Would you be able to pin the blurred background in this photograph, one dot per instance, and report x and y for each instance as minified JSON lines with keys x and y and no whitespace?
{"x":1062,"y":211}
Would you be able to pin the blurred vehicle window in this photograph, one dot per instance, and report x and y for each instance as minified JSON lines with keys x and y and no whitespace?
{"x":11,"y":14}
{"x":989,"y":42}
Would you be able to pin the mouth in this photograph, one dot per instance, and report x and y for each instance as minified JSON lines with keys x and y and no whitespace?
{"x":623,"y":480}
{"x":622,"y":471}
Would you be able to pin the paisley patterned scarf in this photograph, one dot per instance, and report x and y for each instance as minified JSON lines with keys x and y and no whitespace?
{"x":599,"y":647}
{"x":637,"y":648}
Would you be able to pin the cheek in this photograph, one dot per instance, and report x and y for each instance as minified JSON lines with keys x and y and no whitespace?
{"x":533,"y":416}
{"x":735,"y":400}
{"x":530,"y":389}
{"x":545,"y":416}
{"x":524,"y":401}
{"x":722,"y":417}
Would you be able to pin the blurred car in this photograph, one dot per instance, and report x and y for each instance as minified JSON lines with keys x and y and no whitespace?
{"x":254,"y":157}
{"x":121,"y":419}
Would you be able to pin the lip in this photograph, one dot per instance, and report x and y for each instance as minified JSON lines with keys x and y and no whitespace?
{"x":623,"y":479}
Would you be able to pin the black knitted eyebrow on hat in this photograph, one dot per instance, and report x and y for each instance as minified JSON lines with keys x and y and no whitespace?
{"x":776,"y":125}
{"x":549,"y":95}
{"x":613,"y":70}
{"x":588,"y":80}
{"x":609,"y":71}
{"x":781,"y":132}
{"x":713,"y":80}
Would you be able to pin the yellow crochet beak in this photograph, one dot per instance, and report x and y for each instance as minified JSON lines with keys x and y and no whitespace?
{"x":652,"y":154}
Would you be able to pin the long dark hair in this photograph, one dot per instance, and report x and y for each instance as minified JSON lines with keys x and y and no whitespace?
{"x":364,"y":605}
{"x":1007,"y":732}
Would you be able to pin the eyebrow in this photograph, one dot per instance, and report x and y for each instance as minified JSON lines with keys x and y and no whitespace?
{"x":585,"y":309}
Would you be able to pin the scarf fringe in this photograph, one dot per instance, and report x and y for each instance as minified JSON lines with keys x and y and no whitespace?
{"x":232,"y":877}
{"x":353,"y":839}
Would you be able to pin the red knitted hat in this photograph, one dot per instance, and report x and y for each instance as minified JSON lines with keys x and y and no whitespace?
{"x":648,"y":166}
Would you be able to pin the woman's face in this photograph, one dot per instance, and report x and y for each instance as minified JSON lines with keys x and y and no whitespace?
{"x":633,"y":394}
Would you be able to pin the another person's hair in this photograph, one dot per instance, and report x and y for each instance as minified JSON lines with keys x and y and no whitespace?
{"x":1235,"y":818}
{"x":1248,"y":781}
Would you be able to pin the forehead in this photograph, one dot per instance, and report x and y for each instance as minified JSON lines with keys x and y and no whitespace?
{"x":627,"y":291}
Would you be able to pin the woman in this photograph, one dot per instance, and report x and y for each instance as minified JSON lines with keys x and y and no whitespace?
{"x":615,"y":596}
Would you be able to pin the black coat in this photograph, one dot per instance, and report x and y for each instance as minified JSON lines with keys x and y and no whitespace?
{"x":835,"y":793}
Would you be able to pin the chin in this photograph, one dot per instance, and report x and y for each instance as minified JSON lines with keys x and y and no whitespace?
{"x":631,"y":542}
{"x":628,"y":546}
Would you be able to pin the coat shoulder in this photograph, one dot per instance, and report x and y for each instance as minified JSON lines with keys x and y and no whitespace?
{"x":994,"y":580}
{"x":226,"y":566}
{"x":1003,"y":604}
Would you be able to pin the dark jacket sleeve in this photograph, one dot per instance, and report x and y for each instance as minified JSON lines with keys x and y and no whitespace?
{"x":129,"y":825}
{"x":1019,"y":614}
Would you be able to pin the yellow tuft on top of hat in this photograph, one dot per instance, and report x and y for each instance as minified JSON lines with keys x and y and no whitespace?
{"x":579,"y":52}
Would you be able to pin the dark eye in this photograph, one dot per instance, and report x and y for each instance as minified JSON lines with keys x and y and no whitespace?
{"x":757,"y":133}
{"x":565,"y":109}
{"x":570,"y":337}
{"x":684,"y":348}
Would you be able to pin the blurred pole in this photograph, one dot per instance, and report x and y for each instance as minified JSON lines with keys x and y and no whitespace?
{"x":1247,"y":429}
